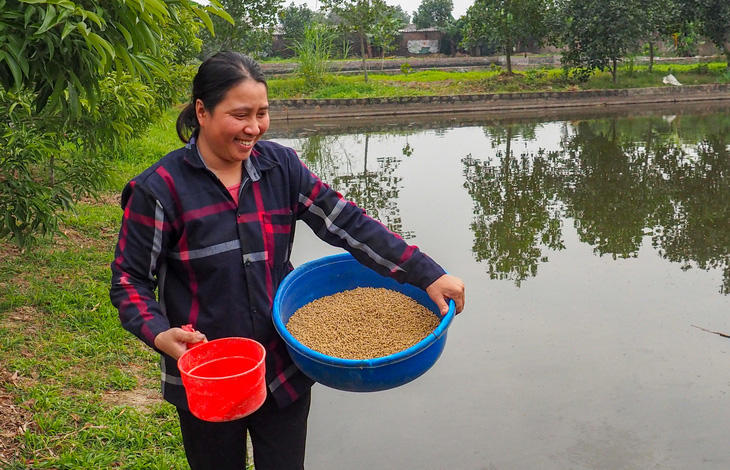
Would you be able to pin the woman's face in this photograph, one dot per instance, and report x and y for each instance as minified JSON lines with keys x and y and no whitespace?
{"x":229,"y":132}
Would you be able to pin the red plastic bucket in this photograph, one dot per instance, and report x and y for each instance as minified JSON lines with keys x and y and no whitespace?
{"x":224,"y":379}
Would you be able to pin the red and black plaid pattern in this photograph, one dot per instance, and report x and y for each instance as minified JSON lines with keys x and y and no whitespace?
{"x":187,"y":253}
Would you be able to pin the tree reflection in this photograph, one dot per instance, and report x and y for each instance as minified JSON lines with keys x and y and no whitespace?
{"x":375,"y":191}
{"x":697,"y":228}
{"x":621,"y":181}
{"x":609,"y":189}
{"x":514,"y":211}
{"x":325,"y":156}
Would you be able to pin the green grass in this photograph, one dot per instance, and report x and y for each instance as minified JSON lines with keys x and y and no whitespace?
{"x":86,"y":391}
{"x":437,"y":82}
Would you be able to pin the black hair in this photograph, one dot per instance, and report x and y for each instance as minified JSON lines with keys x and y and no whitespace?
{"x":218,"y":74}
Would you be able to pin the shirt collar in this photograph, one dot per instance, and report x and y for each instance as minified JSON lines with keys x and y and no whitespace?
{"x":253,"y":165}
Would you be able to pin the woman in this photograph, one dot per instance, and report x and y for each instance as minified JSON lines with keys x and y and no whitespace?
{"x":211,"y":225}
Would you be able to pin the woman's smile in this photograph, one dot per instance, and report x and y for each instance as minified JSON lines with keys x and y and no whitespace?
{"x":229,"y":132}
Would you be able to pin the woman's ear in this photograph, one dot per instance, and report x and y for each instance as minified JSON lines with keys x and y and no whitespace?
{"x":200,"y":112}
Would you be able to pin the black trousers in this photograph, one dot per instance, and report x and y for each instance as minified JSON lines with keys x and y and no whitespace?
{"x":278,"y":436}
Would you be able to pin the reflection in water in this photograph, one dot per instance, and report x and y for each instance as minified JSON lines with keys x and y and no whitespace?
{"x":514,"y":212}
{"x":609,"y":187}
{"x":593,"y":363}
{"x":695,"y":226}
{"x":618,"y":180}
{"x":376,"y":191}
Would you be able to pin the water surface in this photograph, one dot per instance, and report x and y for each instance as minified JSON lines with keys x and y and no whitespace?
{"x":594,"y":249}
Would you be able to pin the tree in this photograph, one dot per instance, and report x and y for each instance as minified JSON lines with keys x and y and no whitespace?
{"x":597,"y":34}
{"x":251,"y":31}
{"x":404,"y":17}
{"x":434,"y":14}
{"x":506,"y":22}
{"x":76,"y":82}
{"x":60,"y":50}
{"x":714,"y":16}
{"x":295,"y":19}
{"x":453,"y":36}
{"x":359,"y":17}
{"x":385,"y":31}
{"x":660,"y":17}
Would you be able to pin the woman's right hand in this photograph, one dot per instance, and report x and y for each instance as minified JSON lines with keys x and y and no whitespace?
{"x":174,"y":342}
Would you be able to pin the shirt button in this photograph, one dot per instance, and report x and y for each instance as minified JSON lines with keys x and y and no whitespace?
{"x":248,"y":262}
{"x":254,"y":310}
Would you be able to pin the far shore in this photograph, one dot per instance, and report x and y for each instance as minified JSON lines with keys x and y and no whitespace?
{"x":493,"y":105}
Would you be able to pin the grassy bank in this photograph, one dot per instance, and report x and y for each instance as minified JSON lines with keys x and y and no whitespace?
{"x":76,"y":390}
{"x":436,"y":82}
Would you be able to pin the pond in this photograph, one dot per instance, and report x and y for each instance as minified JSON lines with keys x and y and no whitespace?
{"x":596,"y":254}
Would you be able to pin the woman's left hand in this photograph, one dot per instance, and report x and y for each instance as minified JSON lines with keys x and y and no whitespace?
{"x":444,"y":288}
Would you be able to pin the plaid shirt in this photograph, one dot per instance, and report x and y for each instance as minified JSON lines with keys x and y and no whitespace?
{"x":217,"y":264}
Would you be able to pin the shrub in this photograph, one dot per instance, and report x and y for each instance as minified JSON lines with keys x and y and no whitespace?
{"x":313,"y":53}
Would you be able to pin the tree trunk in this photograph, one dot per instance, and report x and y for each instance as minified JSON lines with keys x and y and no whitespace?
{"x":613,"y":70}
{"x":508,"y":57}
{"x":726,"y":50}
{"x":651,"y":56}
{"x":51,"y":172}
{"x":362,"y":53}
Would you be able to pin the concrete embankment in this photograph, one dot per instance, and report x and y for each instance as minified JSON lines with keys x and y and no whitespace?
{"x":495,"y":104}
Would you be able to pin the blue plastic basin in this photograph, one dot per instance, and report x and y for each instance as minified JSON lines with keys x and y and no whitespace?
{"x":338,"y":273}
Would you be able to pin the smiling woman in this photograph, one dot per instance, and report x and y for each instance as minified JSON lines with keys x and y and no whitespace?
{"x":211,"y":227}
{"x":228,"y":133}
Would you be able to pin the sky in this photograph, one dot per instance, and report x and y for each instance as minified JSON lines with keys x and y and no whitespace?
{"x":409,"y":6}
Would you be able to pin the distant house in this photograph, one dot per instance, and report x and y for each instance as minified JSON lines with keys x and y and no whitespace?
{"x":411,"y":42}
{"x":415,"y":42}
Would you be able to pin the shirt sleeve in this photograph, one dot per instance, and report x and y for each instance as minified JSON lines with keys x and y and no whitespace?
{"x":341,"y":223}
{"x":135,"y":265}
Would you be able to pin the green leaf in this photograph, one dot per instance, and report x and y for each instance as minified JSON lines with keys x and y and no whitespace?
{"x":157,"y":8}
{"x":203,"y":15}
{"x":155,"y":65}
{"x":149,"y":38}
{"x":127,"y":36}
{"x":29,"y":11}
{"x":140,"y":67}
{"x":50,"y":45}
{"x":15,"y":70}
{"x":95,"y":18}
{"x":73,"y":96}
{"x":124,"y":54}
{"x":55,"y":97}
{"x":220,"y":12}
{"x":67,"y":28}
{"x":47,"y":21}
{"x":102,"y":43}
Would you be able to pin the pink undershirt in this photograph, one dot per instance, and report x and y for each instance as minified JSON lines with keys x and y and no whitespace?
{"x":234,"y":191}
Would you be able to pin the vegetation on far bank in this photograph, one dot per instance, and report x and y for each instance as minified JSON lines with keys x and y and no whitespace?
{"x":495,"y":80}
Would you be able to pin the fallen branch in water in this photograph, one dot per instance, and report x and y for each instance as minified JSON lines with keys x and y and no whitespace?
{"x":714,"y":332}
